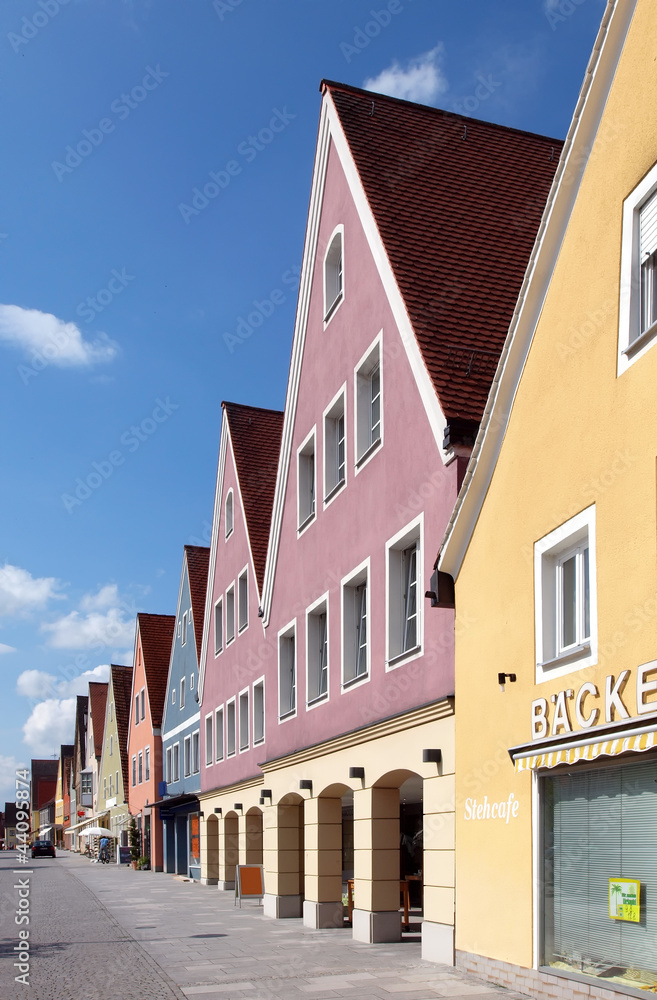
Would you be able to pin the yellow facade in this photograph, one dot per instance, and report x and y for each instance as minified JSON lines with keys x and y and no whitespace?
{"x":581,"y":437}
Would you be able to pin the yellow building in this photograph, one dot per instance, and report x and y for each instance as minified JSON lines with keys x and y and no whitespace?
{"x":113,"y":769}
{"x":553,"y":551}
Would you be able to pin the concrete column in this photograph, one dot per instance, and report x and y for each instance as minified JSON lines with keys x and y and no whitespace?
{"x":283,"y":860}
{"x":439,"y":868}
{"x":376,"y":916}
{"x":228,"y":851}
{"x":322,"y":905}
{"x":210,"y":852}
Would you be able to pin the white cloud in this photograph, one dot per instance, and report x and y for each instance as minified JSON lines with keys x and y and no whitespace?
{"x":91,"y":630}
{"x":51,"y":723}
{"x":4,"y":648}
{"x":35,"y":684}
{"x":8,"y":768}
{"x":421,"y":80}
{"x":80,"y":684}
{"x":57,"y":342}
{"x":20,"y":592}
{"x":105,"y":598}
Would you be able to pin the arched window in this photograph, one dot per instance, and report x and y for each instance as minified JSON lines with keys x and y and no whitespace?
{"x":229,"y":513}
{"x":333,"y":274}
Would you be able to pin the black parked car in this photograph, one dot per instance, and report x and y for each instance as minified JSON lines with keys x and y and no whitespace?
{"x":43,"y":849}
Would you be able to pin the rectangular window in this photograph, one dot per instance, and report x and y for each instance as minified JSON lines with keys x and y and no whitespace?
{"x":258,"y":712}
{"x":219,"y":731}
{"x":565,"y":593}
{"x":187,"y":756}
{"x":191,"y":682}
{"x":110,"y":785}
{"x":229,"y":514}
{"x":334,"y":447}
{"x":173,"y":696}
{"x":230,"y":728}
{"x":243,"y":600}
{"x":209,"y":748}
{"x":134,"y":771}
{"x":184,"y":629}
{"x":368,"y":404}
{"x":147,"y":764}
{"x":140,"y":772}
{"x":230,"y":614}
{"x":218,"y":627}
{"x":355,"y":613}
{"x":137,"y":710}
{"x":306,"y":481}
{"x":116,"y":785}
{"x":599,"y":827}
{"x":143,"y":705}
{"x":176,"y":762}
{"x":105,"y":788}
{"x":244,"y":720}
{"x":111,"y":746}
{"x":167,"y":772}
{"x":196,"y":752}
{"x":404,"y":570}
{"x":182,"y":692}
{"x":287,"y":673}
{"x":317,"y":652}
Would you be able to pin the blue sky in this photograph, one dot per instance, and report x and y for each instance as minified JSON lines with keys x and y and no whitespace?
{"x":122,"y":287}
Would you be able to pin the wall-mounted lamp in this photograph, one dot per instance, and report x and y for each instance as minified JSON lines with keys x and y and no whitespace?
{"x":217,"y":810}
{"x":265,"y":793}
{"x":202,"y":815}
{"x":501,"y":678}
{"x":432,"y":756}
{"x":306,"y":785}
{"x":237,"y":806}
{"x":357,"y":772}
{"x":261,"y":801}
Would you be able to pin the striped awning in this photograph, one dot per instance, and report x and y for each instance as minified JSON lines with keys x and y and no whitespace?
{"x":586,"y":751}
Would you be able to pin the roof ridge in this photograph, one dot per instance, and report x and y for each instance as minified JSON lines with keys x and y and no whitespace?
{"x":247,"y":406}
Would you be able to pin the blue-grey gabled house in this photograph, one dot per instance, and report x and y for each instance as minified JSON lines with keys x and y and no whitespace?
{"x":181,"y":745}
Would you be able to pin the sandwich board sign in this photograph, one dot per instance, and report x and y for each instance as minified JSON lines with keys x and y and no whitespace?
{"x":624,"y":899}
{"x":249,"y":882}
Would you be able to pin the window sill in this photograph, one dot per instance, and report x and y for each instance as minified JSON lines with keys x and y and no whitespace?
{"x":334,"y":491}
{"x":644,"y":338}
{"x":355,"y":680}
{"x":218,"y":652}
{"x":570,"y":657}
{"x":406,"y":655}
{"x":366,"y":454}
{"x":332,"y":308}
{"x":226,"y":537}
{"x":304,"y":524}
{"x":228,"y":641}
{"x":316,"y":701}
{"x":242,"y":628}
{"x":288,"y":715}
{"x":258,"y":743}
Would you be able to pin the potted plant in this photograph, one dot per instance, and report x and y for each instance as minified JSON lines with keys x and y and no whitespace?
{"x":135,"y":844}
{"x":144,"y":863}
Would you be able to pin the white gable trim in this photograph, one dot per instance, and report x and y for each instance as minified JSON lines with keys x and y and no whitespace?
{"x":331,"y":129}
{"x":216,"y":515}
{"x":574,"y":159}
{"x":167,"y":701}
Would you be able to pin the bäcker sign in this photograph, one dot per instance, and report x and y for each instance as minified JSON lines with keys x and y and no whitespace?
{"x":589,"y":703}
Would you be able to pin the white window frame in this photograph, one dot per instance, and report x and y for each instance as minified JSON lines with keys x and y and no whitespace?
{"x":111,"y":745}
{"x":318,"y":607}
{"x":372,"y":358}
{"x":147,"y":764}
{"x":137,"y":709}
{"x":196,"y":751}
{"x":395,"y":594}
{"x":632,"y":344}
{"x":142,"y":695}
{"x":289,"y":631}
{"x":219,"y":748}
{"x":306,"y":483}
{"x":181,"y":702}
{"x":183,"y":638}
{"x":258,"y":685}
{"x":116,"y":778}
{"x":230,"y":618}
{"x":187,"y":756}
{"x":167,"y":766}
{"x":219,"y":609}
{"x":243,"y":603}
{"x":191,"y":681}
{"x":243,"y":698}
{"x":333,"y":485}
{"x":359,"y":575}
{"x":140,"y":767}
{"x":336,"y":294}
{"x":173,"y":695}
{"x":134,"y":771}
{"x":209,"y":743}
{"x":231,"y":703}
{"x":547,"y":553}
{"x":229,"y":521}
{"x":176,"y":762}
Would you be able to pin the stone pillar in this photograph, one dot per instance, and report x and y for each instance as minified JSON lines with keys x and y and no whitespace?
{"x":210,"y":852}
{"x":322,"y":905}
{"x":251,"y":838}
{"x":283,"y":859}
{"x":376,"y":916}
{"x":439,"y":881}
{"x":229,"y":851}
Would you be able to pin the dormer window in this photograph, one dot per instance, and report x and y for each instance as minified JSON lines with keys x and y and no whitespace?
{"x":333,"y":274}
{"x":229,"y":514}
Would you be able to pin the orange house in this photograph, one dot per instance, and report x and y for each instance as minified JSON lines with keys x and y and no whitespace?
{"x":153,"y":639}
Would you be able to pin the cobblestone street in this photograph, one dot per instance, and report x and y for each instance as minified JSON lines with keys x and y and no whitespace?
{"x":106,"y":933}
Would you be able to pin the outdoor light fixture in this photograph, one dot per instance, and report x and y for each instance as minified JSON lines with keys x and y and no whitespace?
{"x":202,"y":815}
{"x":432,"y":756}
{"x":237,"y":806}
{"x":261,"y":801}
{"x":306,"y":785}
{"x":217,"y":809}
{"x":265,"y":793}
{"x":501,"y":678}
{"x":357,"y":772}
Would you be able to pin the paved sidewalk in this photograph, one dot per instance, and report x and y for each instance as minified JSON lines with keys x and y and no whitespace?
{"x":214,"y":951}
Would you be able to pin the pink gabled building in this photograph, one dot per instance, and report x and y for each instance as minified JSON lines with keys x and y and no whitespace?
{"x":420,"y":227}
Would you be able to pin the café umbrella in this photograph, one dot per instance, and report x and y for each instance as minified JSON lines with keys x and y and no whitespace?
{"x":97,"y":831}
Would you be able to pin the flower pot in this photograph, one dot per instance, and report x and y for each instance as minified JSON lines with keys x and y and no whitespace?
{"x":134,"y":865}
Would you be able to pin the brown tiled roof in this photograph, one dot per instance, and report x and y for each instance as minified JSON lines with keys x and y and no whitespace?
{"x":81,"y":709}
{"x":198,"y":561}
{"x":97,"y":704}
{"x":457,"y":203}
{"x":122,"y":688}
{"x":156,"y":634}
{"x":256,"y":438}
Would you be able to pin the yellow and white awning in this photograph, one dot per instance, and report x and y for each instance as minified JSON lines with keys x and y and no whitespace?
{"x":591,"y":750}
